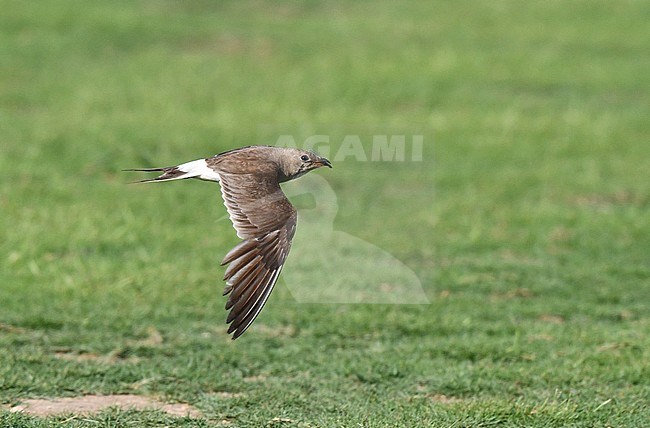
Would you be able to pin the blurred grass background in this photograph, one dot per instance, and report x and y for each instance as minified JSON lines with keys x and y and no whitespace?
{"x":527,"y":220}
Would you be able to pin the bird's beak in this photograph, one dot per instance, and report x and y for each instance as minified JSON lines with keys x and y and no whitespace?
{"x":325,"y":162}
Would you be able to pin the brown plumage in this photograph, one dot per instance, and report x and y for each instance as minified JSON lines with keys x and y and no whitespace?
{"x":261,"y":214}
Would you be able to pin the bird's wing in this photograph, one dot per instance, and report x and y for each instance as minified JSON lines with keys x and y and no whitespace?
{"x":266,"y":221}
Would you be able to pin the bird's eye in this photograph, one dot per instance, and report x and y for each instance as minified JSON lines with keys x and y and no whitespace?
{"x":304,"y":158}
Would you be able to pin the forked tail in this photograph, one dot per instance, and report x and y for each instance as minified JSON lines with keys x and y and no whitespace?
{"x":195,"y":169}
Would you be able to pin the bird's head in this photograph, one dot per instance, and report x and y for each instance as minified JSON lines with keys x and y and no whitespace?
{"x":296,"y":162}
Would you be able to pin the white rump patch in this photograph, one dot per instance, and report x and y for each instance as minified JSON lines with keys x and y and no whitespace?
{"x":199,"y":169}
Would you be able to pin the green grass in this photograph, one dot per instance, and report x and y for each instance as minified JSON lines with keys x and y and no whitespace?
{"x":527,"y":221}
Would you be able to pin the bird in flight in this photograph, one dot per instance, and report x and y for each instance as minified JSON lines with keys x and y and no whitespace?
{"x":261,"y":214}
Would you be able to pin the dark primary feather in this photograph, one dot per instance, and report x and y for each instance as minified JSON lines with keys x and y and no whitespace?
{"x":266,"y":221}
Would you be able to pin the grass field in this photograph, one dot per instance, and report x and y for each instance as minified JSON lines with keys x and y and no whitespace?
{"x":527,"y":220}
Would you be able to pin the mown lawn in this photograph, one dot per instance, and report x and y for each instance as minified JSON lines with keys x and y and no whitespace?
{"x":526,"y":221}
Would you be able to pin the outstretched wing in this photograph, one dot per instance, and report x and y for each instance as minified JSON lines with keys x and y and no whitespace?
{"x":266,"y":221}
